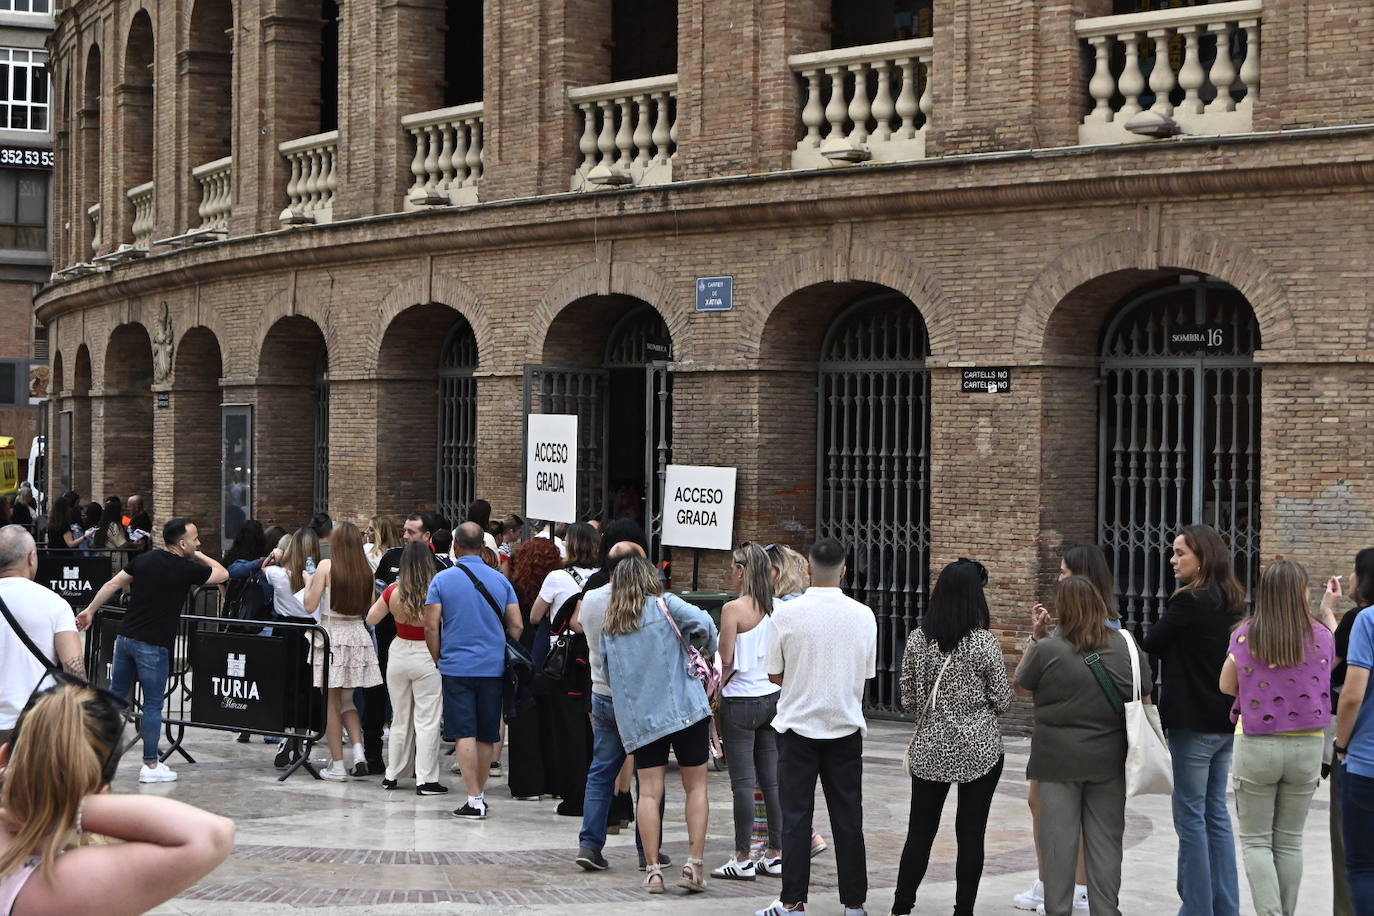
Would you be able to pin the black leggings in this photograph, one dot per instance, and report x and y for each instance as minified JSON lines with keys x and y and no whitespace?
{"x":970,"y":825}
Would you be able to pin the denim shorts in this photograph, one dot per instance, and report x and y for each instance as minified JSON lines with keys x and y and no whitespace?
{"x":472,"y":707}
{"x":691,"y":746}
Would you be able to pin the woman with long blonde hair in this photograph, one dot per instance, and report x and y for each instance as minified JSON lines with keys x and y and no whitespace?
{"x":412,"y":680}
{"x":383,"y":533}
{"x":340,"y":590}
{"x":55,"y":775}
{"x":1279,"y":670}
{"x":659,"y":705}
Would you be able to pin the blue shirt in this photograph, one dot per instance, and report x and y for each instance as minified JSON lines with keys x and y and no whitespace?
{"x":1360,"y":758}
{"x":472,"y":642}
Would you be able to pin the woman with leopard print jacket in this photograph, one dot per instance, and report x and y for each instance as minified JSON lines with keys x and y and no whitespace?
{"x":956,"y":684}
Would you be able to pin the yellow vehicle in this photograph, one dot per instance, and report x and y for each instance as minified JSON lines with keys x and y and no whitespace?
{"x":9,"y":467}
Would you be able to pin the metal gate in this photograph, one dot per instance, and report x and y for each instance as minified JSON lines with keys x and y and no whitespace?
{"x":873,"y":469}
{"x":1178,"y":435}
{"x":550,"y":390}
{"x":321,"y":492}
{"x":456,"y":474}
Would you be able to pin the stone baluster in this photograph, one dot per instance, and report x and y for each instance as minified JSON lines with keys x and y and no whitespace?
{"x":474,"y":156}
{"x":1162,"y":74}
{"x":1191,"y":76}
{"x":908,"y":105}
{"x":1250,"y":68}
{"x":1223,"y":72}
{"x":672,"y":124}
{"x":93,"y":213}
{"x":883,"y":107}
{"x":624,"y":135}
{"x":458,"y":159}
{"x":813,"y":113}
{"x":1102,"y":86}
{"x":644,"y":135}
{"x":329,"y":181}
{"x":311,"y":188}
{"x":859,"y":108}
{"x":586,"y":144}
{"x":661,"y":134}
{"x":927,"y":102}
{"x":417,"y":164}
{"x":293,"y":182}
{"x":445,"y":164}
{"x":606,"y":141}
{"x":433,"y":143}
{"x":836,"y":111}
{"x":1132,"y":82}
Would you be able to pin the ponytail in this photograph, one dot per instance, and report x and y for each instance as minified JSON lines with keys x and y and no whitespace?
{"x":757,"y":581}
{"x":61,"y":750}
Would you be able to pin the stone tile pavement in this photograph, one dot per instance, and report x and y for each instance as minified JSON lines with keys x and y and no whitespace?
{"x":351,"y":848}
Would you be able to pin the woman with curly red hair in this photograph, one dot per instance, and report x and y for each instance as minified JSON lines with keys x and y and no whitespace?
{"x":528,"y":733}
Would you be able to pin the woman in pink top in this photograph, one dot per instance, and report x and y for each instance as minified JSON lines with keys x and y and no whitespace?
{"x":1279,"y":670}
{"x":55,"y":789}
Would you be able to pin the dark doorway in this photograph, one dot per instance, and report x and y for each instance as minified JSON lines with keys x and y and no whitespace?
{"x":867,"y":22}
{"x":643,"y":38}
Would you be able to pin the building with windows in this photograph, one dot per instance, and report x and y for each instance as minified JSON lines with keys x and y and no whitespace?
{"x":25,"y":258}
{"x":1005,"y":276}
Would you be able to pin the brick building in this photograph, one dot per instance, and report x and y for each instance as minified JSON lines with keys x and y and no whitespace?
{"x":329,"y":255}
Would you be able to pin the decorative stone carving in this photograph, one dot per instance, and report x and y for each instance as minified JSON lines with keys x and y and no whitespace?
{"x":162,"y":346}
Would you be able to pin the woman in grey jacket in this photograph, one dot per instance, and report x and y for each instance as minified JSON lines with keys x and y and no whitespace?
{"x":659,"y":704}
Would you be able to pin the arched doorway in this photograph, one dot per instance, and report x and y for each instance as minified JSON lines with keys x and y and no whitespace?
{"x":81,"y":421}
{"x":873,"y":467}
{"x":456,"y":473}
{"x":618,"y":385}
{"x":291,"y":423}
{"x":88,"y":237}
{"x":196,"y":469}
{"x":208,"y":69}
{"x":127,"y":412}
{"x":1179,"y":428}
{"x":135,"y":97}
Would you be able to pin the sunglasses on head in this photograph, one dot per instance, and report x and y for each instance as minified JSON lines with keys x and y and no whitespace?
{"x":120,"y":704}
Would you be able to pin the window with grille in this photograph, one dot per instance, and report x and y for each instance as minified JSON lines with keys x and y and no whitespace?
{"x":24,"y":105}
{"x":42,"y":7}
{"x":40,"y":342}
{"x":23,"y":209}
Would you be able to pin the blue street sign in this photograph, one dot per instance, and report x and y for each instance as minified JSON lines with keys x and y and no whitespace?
{"x":715,"y":294}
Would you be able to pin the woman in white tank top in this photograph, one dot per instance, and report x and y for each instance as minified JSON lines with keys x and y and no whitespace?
{"x":748,"y":703}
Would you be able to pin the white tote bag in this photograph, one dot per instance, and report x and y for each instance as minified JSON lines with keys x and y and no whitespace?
{"x":1149,"y":768}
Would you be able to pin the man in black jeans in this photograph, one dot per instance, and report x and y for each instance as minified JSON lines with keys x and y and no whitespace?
{"x":418,"y":527}
{"x":824,"y":649}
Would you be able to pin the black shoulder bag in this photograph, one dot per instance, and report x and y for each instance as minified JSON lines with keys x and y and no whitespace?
{"x":519,"y":664}
{"x":560,"y":657}
{"x":48,"y":666}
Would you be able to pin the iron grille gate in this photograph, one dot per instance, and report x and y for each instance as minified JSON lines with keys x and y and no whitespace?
{"x":321,"y":490}
{"x":554,"y":390}
{"x":1178,"y":436}
{"x":457,"y":472}
{"x":873,"y":470}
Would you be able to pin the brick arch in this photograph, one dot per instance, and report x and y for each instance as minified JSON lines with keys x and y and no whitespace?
{"x":599,"y":278}
{"x":280,"y":306}
{"x":887,"y":268}
{"x":1178,"y":248}
{"x":444,"y":290}
{"x":199,"y":330}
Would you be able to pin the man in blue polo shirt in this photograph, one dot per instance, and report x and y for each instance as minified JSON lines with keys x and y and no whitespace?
{"x":1355,"y":747}
{"x":470,"y":609}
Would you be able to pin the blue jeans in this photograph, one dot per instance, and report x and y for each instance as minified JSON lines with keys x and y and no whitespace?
{"x":150,"y":665}
{"x":608,"y":756}
{"x":1357,"y":822}
{"x":1208,"y":883}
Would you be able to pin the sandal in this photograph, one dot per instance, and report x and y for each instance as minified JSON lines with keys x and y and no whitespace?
{"x":693,"y":876}
{"x":653,"y":871}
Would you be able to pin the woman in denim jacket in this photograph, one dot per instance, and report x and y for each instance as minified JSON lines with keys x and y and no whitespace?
{"x":659,"y":704}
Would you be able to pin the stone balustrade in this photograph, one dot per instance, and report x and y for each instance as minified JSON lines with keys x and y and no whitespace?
{"x":216,"y":200}
{"x":314,"y":178}
{"x":1193,"y":70}
{"x":93,"y":214}
{"x":448,"y":155}
{"x":142,"y":199}
{"x":865,"y":103}
{"x":629,"y":132}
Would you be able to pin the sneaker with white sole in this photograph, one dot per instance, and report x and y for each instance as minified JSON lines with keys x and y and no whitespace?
{"x":770,"y":867}
{"x":159,"y":773}
{"x":735,"y":870}
{"x":1032,"y":898}
{"x":335,"y":772}
{"x":777,"y":909}
{"x":471,"y":812}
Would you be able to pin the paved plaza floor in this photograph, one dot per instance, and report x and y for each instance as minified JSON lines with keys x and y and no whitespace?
{"x":353,"y":848}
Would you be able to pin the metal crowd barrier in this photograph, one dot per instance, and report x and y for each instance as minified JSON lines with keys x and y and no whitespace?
{"x":253,"y":676}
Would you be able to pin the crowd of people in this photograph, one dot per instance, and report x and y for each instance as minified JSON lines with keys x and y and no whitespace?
{"x":428,"y":622}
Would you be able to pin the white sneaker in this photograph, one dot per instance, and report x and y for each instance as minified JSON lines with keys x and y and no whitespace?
{"x":1080,"y":897}
{"x":1031,"y":899}
{"x":159,"y":773}
{"x":735,"y":870}
{"x":335,"y":772}
{"x":771,"y":867}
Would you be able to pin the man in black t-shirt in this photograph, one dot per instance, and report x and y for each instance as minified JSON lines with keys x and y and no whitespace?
{"x":420,"y":526}
{"x":158,"y":582}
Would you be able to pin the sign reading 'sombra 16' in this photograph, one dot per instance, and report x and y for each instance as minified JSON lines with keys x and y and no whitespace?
{"x":551,"y":467}
{"x":699,"y":507}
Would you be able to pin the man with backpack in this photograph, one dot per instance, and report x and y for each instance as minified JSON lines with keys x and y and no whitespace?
{"x":470,"y":610}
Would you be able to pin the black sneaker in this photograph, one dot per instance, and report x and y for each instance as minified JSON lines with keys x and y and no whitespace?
{"x":244,"y":738}
{"x":388,"y":784}
{"x":471,"y":812}
{"x":431,"y":788}
{"x":663,"y":859}
{"x":495,"y":768}
{"x":359,"y":769}
{"x":591,"y":859}
{"x":286,"y":756}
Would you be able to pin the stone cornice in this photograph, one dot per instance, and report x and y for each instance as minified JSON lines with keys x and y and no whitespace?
{"x":1312,"y":162}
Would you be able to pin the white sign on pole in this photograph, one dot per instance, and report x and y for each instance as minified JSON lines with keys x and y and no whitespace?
{"x":551,"y":467}
{"x":699,"y":507}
